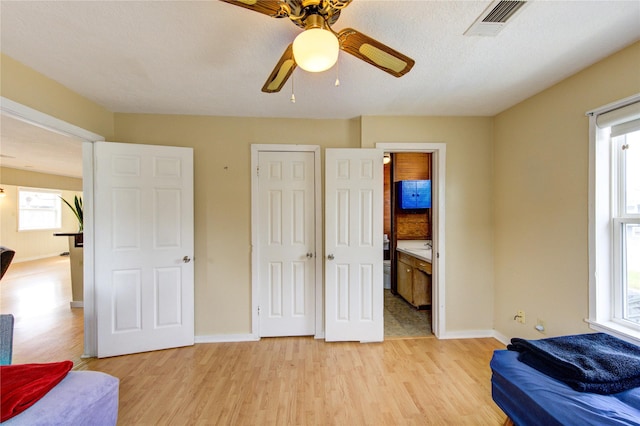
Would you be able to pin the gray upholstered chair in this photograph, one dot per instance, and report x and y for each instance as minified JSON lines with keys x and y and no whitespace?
{"x":6,"y":338}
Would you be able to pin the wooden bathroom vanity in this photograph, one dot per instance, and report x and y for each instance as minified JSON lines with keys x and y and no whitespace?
{"x":414,"y":278}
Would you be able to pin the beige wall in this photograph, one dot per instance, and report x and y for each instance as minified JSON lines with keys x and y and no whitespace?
{"x":516,"y":206}
{"x":223,"y":197}
{"x":540,"y":185}
{"x":30,"y":88}
{"x":223,"y":208}
{"x":468,"y":232}
{"x":18,"y":177}
{"x":30,"y":245}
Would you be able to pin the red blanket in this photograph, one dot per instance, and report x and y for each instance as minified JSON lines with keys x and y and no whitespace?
{"x":22,"y":385}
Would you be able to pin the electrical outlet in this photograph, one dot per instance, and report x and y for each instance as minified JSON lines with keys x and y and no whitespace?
{"x":520,"y":317}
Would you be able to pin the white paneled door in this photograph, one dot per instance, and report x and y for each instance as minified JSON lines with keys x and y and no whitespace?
{"x":143,"y":201}
{"x":287,"y":243}
{"x":353,"y":245}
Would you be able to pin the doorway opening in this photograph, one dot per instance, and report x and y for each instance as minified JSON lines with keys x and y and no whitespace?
{"x":44,"y":122}
{"x":408,"y":244}
{"x":436,"y":222}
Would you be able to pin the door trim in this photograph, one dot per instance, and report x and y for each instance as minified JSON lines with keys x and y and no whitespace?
{"x":439,"y":151}
{"x":32,"y":116}
{"x":255,"y":234}
{"x":48,"y":122}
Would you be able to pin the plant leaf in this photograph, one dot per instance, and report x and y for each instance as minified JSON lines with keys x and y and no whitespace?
{"x":77,"y":210}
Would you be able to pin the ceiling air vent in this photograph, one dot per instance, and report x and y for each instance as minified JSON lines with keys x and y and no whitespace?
{"x":494,"y":18}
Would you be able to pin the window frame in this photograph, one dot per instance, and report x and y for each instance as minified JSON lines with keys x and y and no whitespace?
{"x":620,"y":218}
{"x":57,"y":209}
{"x":605,"y":225}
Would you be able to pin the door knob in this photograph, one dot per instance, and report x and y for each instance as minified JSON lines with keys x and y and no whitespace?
{"x":186,"y":259}
{"x":330,"y":257}
{"x":309,"y":255}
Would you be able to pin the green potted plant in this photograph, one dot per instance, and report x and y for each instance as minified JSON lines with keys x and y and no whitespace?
{"x":76,"y":209}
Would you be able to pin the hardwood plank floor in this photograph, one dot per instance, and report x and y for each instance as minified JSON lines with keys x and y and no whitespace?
{"x":38,"y":294}
{"x":284,"y":381}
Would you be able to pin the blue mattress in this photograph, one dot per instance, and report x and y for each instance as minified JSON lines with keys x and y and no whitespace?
{"x":530,"y":397}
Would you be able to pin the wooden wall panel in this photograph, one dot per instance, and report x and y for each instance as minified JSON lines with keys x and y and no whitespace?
{"x":411,"y":166}
{"x":387,"y":200}
{"x":412,"y":225}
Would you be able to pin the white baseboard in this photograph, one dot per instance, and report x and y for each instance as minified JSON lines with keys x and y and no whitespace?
{"x":467,"y":334}
{"x":43,"y":256}
{"x":501,"y":338}
{"x":225,"y":338}
{"x":77,"y":304}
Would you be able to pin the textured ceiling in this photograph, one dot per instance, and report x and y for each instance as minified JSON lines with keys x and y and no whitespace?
{"x":28,"y":147}
{"x":212,"y":58}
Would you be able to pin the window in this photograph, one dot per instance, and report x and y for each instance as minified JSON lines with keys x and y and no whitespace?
{"x":614,"y":219}
{"x":626,"y":226}
{"x":38,"y":209}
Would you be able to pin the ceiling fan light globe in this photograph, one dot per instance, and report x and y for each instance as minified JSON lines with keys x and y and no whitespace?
{"x":316,"y":50}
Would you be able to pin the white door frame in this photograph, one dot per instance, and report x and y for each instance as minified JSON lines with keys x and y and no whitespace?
{"x":45,"y":121}
{"x":255,"y":234}
{"x":439,"y":151}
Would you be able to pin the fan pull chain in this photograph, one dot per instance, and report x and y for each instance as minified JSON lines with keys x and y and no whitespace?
{"x":293,"y":96}
{"x":337,"y":83}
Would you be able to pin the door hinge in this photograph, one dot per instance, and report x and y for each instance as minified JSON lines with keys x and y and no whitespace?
{"x":258,"y":171}
{"x":625,"y":146}
{"x":258,"y":310}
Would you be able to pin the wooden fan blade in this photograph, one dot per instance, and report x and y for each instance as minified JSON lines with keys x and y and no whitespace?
{"x":281,"y":72}
{"x":372,"y":51}
{"x":272,"y":8}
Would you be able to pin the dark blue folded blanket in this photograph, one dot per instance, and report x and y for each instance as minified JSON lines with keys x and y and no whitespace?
{"x":597,"y":362}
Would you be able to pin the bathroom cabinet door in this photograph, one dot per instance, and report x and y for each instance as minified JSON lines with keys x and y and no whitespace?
{"x":405,"y":281}
{"x":414,"y":280}
{"x":421,"y":288}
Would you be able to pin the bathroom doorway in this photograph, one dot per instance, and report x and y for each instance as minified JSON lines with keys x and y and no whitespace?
{"x":407,"y":235}
{"x":418,"y":238}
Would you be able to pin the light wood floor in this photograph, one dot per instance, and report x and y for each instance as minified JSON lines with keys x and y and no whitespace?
{"x":284,"y":381}
{"x":38,"y":293}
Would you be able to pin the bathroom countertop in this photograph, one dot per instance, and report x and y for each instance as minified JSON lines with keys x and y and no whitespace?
{"x":417,"y":248}
{"x":421,"y":253}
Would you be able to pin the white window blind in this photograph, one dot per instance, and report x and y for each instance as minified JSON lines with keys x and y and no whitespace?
{"x":622,"y":120}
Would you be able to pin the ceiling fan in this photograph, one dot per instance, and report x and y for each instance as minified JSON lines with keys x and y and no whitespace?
{"x":316,"y":48}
